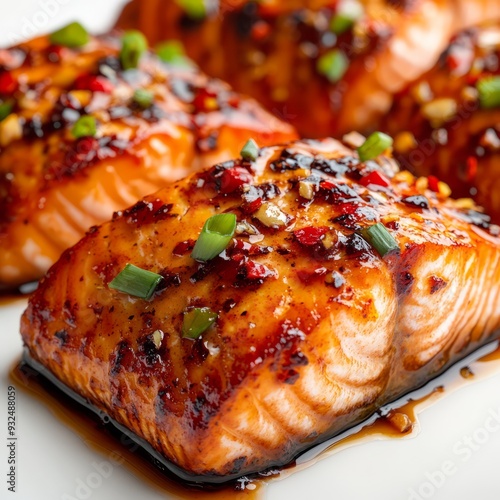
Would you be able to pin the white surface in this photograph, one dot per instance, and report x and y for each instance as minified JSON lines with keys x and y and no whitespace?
{"x":53,"y":460}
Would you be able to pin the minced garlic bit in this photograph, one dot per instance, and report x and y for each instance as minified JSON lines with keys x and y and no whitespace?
{"x":306,"y":190}
{"x":439,"y":111}
{"x":404,"y":142}
{"x":271,"y":216}
{"x":404,"y":176}
{"x":158,"y":338}
{"x":444,"y":189}
{"x":422,"y":184}
{"x":422,"y":92}
{"x":400,"y":421}
{"x":354,"y":139}
{"x":244,"y":227}
{"x":10,"y":129}
{"x":465,"y":203}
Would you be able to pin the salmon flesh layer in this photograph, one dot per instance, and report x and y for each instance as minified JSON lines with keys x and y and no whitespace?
{"x":314,"y":328}
{"x":56,"y":182}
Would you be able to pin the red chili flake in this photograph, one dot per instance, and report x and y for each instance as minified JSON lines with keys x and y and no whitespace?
{"x":436,"y":284}
{"x":376,"y":178}
{"x":7,"y":83}
{"x":433,"y":183}
{"x":307,"y":276}
{"x":85,"y":149}
{"x":327,"y":185}
{"x":205,"y":101}
{"x":183,"y":247}
{"x":471,"y":168}
{"x":55,"y":53}
{"x":309,"y":236}
{"x":260,"y":30}
{"x":233,"y":101}
{"x":94,"y":83}
{"x":252,"y":206}
{"x":232,"y":178}
{"x":256,"y":271}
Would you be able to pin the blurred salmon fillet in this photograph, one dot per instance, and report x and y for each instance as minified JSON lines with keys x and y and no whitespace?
{"x":315,"y":324}
{"x":329,"y":67}
{"x":55,"y":185}
{"x":447,"y":123}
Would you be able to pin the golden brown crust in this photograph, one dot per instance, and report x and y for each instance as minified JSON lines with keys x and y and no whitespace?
{"x":315,"y":329}
{"x":53,"y":186}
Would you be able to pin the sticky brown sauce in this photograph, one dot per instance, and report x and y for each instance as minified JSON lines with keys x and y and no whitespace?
{"x":398,"y":420}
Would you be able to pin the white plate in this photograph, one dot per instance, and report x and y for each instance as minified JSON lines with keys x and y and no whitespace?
{"x":458,"y":432}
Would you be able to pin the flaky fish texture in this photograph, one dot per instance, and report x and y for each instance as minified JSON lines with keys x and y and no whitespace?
{"x":329,"y":66}
{"x":315,"y":330}
{"x":447,"y":123}
{"x":54,"y":184}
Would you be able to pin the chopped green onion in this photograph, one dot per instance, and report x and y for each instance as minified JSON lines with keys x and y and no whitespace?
{"x":194,"y":8}
{"x":134,"y":44}
{"x":144,"y":98}
{"x":374,"y":146}
{"x":85,"y":126}
{"x":197,"y":321}
{"x":380,"y":239}
{"x":341,"y":23}
{"x":489,"y":91}
{"x":136,"y":281}
{"x":73,"y":35}
{"x":333,"y":65}
{"x":172,"y":52}
{"x":250,"y":150}
{"x":214,"y":237}
{"x":6,"y":109}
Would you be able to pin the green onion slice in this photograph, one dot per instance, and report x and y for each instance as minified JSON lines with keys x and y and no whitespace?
{"x":6,"y":109}
{"x":197,"y":321}
{"x":195,"y":9}
{"x":374,"y":146}
{"x":144,"y":98}
{"x":172,"y":52}
{"x":214,"y":237}
{"x":250,"y":150}
{"x":380,"y":239}
{"x":341,"y":23}
{"x":134,"y":44}
{"x":333,"y":65}
{"x":85,"y":126}
{"x":489,"y":91}
{"x":73,"y":35}
{"x":136,"y":282}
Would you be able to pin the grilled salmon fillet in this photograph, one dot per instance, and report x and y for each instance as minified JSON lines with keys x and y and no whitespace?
{"x":54,"y":184}
{"x":447,"y":123}
{"x":327,"y":66}
{"x":314,"y":322}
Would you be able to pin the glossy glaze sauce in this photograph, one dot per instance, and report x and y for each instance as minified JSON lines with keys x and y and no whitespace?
{"x":396,"y":420}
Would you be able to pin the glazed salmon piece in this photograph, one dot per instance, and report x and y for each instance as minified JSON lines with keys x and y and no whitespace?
{"x":446,"y":123}
{"x":315,"y":326}
{"x":54,"y":185}
{"x":328,"y":67}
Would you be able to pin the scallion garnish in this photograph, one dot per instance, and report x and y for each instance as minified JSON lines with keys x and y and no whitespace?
{"x":250,"y":150}
{"x":73,"y":35}
{"x":214,"y":237}
{"x":85,"y":126}
{"x":5,"y":109}
{"x":380,"y":239}
{"x":489,"y":91}
{"x":341,"y":23}
{"x":374,"y":146}
{"x":136,"y":282}
{"x":333,"y":65}
{"x":194,"y":8}
{"x":172,"y":52}
{"x":134,"y":44}
{"x":197,"y":321}
{"x":144,"y":98}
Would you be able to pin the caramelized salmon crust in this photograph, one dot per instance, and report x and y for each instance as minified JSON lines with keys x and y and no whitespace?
{"x":314,"y":329}
{"x":446,"y":123}
{"x":328,"y":66}
{"x":56,"y":182}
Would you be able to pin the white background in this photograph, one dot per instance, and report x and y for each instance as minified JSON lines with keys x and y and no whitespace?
{"x":53,"y":459}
